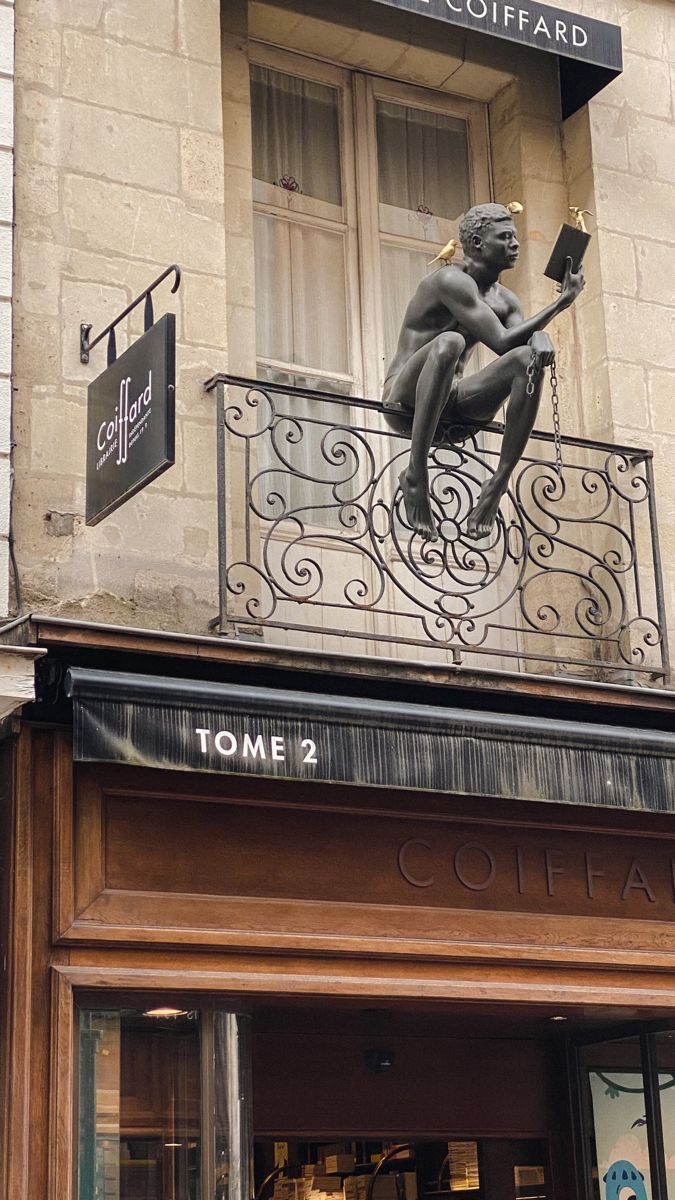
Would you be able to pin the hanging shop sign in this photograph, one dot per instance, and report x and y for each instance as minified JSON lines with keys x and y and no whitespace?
{"x":131,"y":421}
{"x":191,"y":725}
{"x":539,"y":25}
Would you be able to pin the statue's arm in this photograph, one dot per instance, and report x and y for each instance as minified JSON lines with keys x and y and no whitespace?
{"x":515,"y":315}
{"x":468,"y":307}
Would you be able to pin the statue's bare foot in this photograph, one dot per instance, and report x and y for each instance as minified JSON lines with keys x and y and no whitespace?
{"x":418,"y":506}
{"x":481,"y":521}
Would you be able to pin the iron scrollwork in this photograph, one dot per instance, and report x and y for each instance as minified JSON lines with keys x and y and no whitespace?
{"x":315,"y":539}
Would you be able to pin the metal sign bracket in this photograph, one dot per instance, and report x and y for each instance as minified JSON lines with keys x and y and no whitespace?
{"x":148,"y":318}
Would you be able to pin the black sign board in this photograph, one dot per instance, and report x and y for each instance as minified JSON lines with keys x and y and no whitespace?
{"x":191,"y":725}
{"x":588,"y":50}
{"x":569,"y":34}
{"x":131,"y":421}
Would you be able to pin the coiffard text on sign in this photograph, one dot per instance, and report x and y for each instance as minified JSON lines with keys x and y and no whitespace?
{"x":131,"y":420}
{"x":568,"y":34}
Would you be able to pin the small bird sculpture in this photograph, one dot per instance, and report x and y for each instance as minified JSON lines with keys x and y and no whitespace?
{"x":515,"y":208}
{"x":447,"y":253}
{"x":578,"y":215}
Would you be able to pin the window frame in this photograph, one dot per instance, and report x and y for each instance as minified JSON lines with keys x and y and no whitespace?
{"x":359,"y":92}
{"x":368,"y":90}
{"x":292,"y":208}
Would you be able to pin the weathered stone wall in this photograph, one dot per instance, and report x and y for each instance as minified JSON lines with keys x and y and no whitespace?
{"x":123,"y":158}
{"x":120,"y":146}
{"x":620,"y":161}
{"x":6,"y":221}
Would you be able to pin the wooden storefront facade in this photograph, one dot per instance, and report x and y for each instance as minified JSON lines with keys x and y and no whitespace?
{"x":451,"y":930}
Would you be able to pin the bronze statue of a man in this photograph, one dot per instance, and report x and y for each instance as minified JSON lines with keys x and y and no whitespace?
{"x":453,"y":310}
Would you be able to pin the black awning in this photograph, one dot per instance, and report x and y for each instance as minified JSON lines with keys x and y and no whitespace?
{"x":588,"y":50}
{"x":191,"y":725}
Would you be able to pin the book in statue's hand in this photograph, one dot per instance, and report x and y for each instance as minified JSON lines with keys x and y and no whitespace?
{"x":571,"y":243}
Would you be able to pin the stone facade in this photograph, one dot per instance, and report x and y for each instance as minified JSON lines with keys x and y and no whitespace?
{"x":133,"y":138}
{"x":6,"y":222}
{"x":119,"y":134}
{"x":620,"y":153}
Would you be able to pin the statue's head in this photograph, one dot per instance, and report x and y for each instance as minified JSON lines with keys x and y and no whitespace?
{"x":488,"y":234}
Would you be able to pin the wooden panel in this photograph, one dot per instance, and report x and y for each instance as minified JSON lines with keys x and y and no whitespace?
{"x":64,"y":849}
{"x":33,"y":1166}
{"x":17,"y":1100}
{"x":6,"y":939}
{"x":89,"y":831}
{"x":307,"y":1083}
{"x":612,"y":990}
{"x":42,"y":1114}
{"x":177,"y":860}
{"x":164,"y":845}
{"x":159,"y":920}
{"x":62,"y":1067}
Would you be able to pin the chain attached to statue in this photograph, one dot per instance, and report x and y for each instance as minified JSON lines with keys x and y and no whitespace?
{"x":556,"y":419}
{"x":555,"y":401}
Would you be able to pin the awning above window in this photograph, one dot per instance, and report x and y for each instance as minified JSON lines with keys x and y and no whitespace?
{"x":588,"y":50}
{"x":190,"y":725}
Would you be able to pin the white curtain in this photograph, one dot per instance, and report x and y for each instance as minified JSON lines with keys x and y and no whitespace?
{"x":296,"y":147}
{"x":301,"y":303}
{"x":296,"y":136}
{"x":301,"y":284}
{"x":403,"y":269}
{"x":423,"y":160}
{"x":301,"y":319}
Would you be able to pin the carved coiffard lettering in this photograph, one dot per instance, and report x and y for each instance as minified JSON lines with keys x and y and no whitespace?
{"x":544,"y":871}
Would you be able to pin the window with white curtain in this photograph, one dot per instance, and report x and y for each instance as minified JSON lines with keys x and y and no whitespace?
{"x":423,"y":190}
{"x":357,"y":183}
{"x":302,"y":231}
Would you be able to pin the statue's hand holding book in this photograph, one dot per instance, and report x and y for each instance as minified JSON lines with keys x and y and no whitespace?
{"x":571,"y":244}
{"x":572,"y":283}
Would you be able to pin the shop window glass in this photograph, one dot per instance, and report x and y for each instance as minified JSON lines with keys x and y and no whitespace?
{"x":530,"y":1183}
{"x":359,"y":1168}
{"x":463,"y":1167}
{"x":665,"y":1063}
{"x":617,"y":1123}
{"x":163,"y":1106}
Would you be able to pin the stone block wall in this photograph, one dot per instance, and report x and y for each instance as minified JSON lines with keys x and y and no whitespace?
{"x":620,"y":156}
{"x":119,"y":140}
{"x":133,"y":136}
{"x":6,"y":221}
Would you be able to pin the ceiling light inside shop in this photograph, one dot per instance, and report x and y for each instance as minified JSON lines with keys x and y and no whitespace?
{"x":165,"y":1012}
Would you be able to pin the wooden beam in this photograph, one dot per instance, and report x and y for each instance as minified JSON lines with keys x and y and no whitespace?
{"x":17,"y":677}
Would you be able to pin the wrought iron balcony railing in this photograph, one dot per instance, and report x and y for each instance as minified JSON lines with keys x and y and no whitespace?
{"x":314,"y":545}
